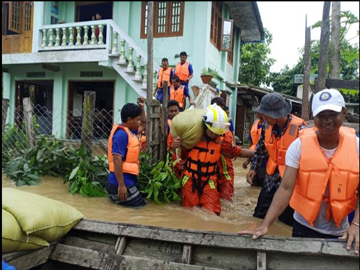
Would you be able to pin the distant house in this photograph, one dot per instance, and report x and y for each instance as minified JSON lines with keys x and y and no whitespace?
{"x":249,"y":97}
{"x":53,"y":51}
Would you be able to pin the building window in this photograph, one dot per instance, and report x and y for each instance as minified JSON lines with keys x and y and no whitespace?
{"x":168,"y":19}
{"x":216,"y":19}
{"x":16,"y":17}
{"x":230,"y":56}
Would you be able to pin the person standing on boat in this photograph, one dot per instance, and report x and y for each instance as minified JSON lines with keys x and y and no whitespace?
{"x":123,"y":156}
{"x":277,"y":133}
{"x":321,"y":179}
{"x":200,"y":174}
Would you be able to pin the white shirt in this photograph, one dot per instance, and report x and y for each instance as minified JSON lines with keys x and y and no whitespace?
{"x":321,"y":224}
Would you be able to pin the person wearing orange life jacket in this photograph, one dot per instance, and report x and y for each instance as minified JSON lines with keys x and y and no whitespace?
{"x":225,"y":164}
{"x":173,"y":109}
{"x":179,"y":93}
{"x":142,"y":139}
{"x":254,"y":138}
{"x":123,"y":156}
{"x":280,"y":129}
{"x":321,"y":178}
{"x":165,"y":74}
{"x":184,"y":71}
{"x":200,"y":174}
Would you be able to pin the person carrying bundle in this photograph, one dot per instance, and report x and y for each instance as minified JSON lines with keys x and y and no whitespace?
{"x":200,"y":174}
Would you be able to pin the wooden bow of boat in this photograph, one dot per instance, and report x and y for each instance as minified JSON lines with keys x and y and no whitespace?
{"x":106,"y":245}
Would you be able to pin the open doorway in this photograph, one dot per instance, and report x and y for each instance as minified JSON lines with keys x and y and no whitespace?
{"x":104,"y":105}
{"x":85,"y":10}
{"x":40,"y":93}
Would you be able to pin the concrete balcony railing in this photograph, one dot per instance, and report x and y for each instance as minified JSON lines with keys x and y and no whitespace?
{"x":75,"y":36}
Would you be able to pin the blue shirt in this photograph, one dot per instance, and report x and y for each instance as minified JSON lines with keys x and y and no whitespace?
{"x":119,"y":146}
{"x":231,"y":128}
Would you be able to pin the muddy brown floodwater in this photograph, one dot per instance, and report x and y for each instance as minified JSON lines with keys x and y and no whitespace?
{"x":235,"y":216}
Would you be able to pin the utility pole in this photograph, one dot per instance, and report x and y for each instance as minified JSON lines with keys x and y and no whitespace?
{"x":324,"y":44}
{"x":307,"y":60}
{"x":335,"y":41}
{"x":149,"y":85}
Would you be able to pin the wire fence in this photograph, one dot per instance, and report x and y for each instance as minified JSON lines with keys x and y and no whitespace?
{"x":66,"y":126}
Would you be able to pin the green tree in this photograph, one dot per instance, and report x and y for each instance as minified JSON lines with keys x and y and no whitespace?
{"x":349,"y":59}
{"x":255,"y":62}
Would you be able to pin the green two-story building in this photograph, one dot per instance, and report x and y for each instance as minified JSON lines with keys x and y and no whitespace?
{"x":53,"y":51}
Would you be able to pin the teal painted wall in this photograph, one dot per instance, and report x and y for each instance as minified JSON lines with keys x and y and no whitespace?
{"x":123,"y":93}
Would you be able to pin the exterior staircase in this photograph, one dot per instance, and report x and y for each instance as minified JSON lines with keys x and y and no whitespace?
{"x":122,"y":53}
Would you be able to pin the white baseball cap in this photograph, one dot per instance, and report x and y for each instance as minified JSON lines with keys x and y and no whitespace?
{"x":327,"y":99}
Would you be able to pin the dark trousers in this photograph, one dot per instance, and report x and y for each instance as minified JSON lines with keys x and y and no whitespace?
{"x":259,"y":177}
{"x":303,"y":231}
{"x":263,"y":205}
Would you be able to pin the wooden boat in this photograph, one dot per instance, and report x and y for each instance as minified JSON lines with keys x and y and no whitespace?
{"x":95,"y":244}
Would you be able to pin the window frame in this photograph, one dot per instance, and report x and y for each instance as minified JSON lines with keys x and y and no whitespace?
{"x":168,"y":20}
{"x":216,"y":19}
{"x":11,"y":17}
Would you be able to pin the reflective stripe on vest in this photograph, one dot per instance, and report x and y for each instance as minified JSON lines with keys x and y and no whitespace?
{"x":255,"y":134}
{"x":178,"y":95}
{"x":131,"y":162}
{"x":277,"y":147}
{"x":164,"y":76}
{"x":340,"y":172}
{"x":182,"y":71}
{"x":225,"y":171}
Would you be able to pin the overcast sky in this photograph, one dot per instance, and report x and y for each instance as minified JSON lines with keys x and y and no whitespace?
{"x":286,"y":22}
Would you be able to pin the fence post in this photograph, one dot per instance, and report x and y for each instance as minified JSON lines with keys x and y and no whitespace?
{"x":5,"y":106}
{"x":28,"y":116}
{"x":88,"y":120}
{"x":163,"y":145}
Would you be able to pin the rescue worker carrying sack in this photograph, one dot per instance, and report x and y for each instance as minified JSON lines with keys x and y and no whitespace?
{"x":200,"y":176}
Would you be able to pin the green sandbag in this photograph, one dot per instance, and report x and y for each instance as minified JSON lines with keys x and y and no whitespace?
{"x":188,"y":125}
{"x":14,"y":239}
{"x":38,"y":215}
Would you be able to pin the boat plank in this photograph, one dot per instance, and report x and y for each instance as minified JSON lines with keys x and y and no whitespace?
{"x":276,"y":261}
{"x":228,"y":240}
{"x":153,"y":249}
{"x":120,"y":245}
{"x":29,"y":259}
{"x":186,"y":256}
{"x":261,"y":260}
{"x":226,"y":258}
{"x":83,"y":243}
{"x":103,"y":261}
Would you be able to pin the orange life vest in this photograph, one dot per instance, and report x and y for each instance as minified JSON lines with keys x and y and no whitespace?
{"x":255,"y":134}
{"x":143,"y":142}
{"x":182,"y":71}
{"x":201,"y":164}
{"x":277,"y":147}
{"x":340,"y":172}
{"x":164,"y":76}
{"x":131,"y":163}
{"x":169,"y":138}
{"x":178,"y":95}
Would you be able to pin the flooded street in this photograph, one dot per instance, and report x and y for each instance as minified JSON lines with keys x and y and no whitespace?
{"x":235,"y":216}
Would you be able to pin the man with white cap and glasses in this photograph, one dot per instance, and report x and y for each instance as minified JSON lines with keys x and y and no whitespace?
{"x":321,"y":178}
{"x":279,"y":130}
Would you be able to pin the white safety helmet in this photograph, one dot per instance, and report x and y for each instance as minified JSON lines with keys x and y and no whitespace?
{"x":216,"y":119}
